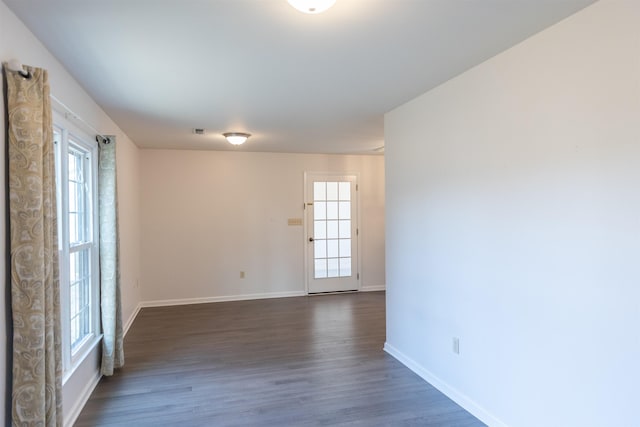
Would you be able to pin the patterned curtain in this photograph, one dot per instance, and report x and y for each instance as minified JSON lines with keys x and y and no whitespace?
{"x":110,"y":305}
{"x":35,"y":291}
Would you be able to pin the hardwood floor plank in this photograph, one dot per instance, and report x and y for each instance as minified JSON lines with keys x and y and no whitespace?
{"x":309,"y":361}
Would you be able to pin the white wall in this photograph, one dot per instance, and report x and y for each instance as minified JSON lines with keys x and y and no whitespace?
{"x":128,"y":168}
{"x":209,"y":215}
{"x":16,"y":41}
{"x":513,"y":207}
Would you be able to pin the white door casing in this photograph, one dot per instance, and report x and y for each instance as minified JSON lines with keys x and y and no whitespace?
{"x":331,"y":232}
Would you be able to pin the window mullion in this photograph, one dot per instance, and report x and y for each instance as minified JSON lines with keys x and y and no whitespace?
{"x":80,"y":246}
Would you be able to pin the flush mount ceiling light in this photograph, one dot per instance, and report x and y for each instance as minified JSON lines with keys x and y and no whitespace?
{"x":311,"y":6}
{"x":236,"y":138}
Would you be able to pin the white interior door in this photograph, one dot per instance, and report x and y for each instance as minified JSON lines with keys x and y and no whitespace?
{"x":331,"y":209}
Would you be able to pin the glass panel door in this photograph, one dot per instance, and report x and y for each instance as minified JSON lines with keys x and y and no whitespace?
{"x":331,"y":233}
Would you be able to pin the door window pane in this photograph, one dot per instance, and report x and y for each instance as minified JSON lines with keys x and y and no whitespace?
{"x":344,"y":211}
{"x":332,"y":191}
{"x":345,"y":267}
{"x":320,"y":229}
{"x":320,"y":268}
{"x":345,"y":247}
{"x":319,"y":191}
{"x":345,"y":190}
{"x":319,"y":210}
{"x":333,"y":270}
{"x":320,"y":248}
{"x":332,"y":249}
{"x":345,"y":229}
{"x":332,"y":229}
{"x":332,"y":210}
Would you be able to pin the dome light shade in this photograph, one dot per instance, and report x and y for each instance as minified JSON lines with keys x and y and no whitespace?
{"x":311,"y":6}
{"x":236,"y":138}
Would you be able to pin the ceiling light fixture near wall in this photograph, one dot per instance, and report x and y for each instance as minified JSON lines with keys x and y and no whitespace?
{"x":311,"y":6}
{"x":236,"y":138}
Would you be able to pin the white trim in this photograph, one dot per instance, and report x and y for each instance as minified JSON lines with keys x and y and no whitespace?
{"x":79,"y":358}
{"x":451,"y":392}
{"x":205,"y":300}
{"x":74,"y":138}
{"x":129,"y":322}
{"x":71,"y":416}
{"x":373,"y":288}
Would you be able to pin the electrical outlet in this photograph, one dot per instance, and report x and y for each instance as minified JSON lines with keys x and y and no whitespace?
{"x":242,"y":274}
{"x":456,"y":345}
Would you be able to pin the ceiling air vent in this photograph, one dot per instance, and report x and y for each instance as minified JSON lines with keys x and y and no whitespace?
{"x":198,"y":131}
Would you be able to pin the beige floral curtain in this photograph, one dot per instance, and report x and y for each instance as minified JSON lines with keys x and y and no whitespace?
{"x":110,"y":304}
{"x":35,"y":299}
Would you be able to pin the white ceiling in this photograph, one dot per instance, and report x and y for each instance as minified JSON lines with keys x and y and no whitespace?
{"x":297,"y":82}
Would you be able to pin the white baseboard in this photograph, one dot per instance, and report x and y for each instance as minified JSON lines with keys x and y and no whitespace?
{"x":71,"y":416}
{"x":204,"y":300}
{"x":129,"y":322}
{"x":374,"y":288}
{"x":451,"y":392}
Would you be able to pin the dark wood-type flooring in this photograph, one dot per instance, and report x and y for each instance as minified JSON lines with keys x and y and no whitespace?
{"x":309,"y":361}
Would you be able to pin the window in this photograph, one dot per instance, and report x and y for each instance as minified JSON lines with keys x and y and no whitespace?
{"x":76,"y":178}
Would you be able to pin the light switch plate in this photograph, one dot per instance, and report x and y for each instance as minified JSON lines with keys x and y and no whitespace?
{"x":294,"y":221}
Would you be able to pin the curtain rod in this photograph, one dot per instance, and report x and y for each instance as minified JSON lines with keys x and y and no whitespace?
{"x":70,"y":114}
{"x":16,"y":66}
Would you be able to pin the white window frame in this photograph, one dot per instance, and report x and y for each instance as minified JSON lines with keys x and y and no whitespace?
{"x":72,"y":136}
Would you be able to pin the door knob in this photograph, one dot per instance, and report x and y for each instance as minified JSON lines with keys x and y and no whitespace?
{"x":311,"y":239}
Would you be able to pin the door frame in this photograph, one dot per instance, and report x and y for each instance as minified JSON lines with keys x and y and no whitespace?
{"x":305,"y":224}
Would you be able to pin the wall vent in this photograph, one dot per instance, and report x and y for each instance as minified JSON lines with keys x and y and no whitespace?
{"x":198,"y":131}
